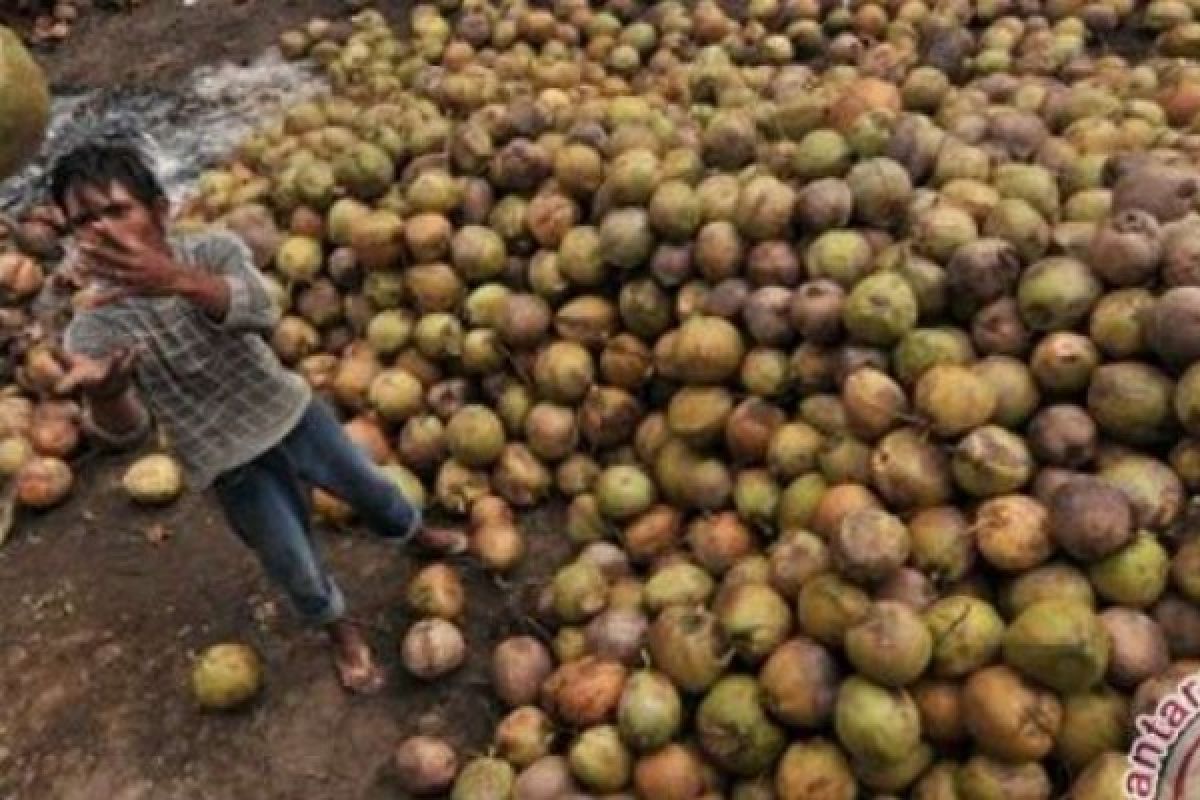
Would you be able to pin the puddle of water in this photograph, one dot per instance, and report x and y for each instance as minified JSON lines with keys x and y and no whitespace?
{"x":191,"y":129}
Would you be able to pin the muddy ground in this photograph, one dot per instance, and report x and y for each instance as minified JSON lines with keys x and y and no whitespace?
{"x":104,"y":605}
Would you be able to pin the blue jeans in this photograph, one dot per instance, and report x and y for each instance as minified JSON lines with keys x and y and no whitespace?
{"x":267,"y":503}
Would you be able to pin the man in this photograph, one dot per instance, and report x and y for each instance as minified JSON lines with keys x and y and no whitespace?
{"x":174,"y":327}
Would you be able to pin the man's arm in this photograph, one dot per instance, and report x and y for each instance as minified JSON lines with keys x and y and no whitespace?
{"x":229,"y":287}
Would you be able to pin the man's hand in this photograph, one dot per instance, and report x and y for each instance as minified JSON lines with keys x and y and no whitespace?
{"x":99,"y":378}
{"x":134,"y":266}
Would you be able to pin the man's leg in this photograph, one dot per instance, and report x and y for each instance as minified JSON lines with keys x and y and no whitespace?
{"x":267,"y":507}
{"x":327,"y":457}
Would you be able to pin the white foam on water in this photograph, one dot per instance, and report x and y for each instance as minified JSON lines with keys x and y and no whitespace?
{"x":192,"y":128}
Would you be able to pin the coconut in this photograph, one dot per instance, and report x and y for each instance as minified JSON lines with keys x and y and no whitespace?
{"x":1063,"y":435}
{"x":734,"y":730}
{"x":794,"y":558}
{"x":226,"y":676}
{"x":816,"y":310}
{"x":432,"y":648}
{"x":880,"y":309}
{"x":425,"y":765}
{"x":869,"y":545}
{"x":1013,"y":532}
{"x":1169,"y":323}
{"x":686,"y":645}
{"x":1127,"y":248}
{"x":1064,"y":362}
{"x":890,"y":646}
{"x":1090,"y":519}
{"x":43,"y":482}
{"x":484,"y":778}
{"x":875,"y":723}
{"x":1139,"y":648}
{"x":967,"y":634}
{"x":984,"y":269}
{"x":649,"y":713}
{"x":548,"y":778}
{"x":599,"y":761}
{"x":1106,"y":778}
{"x":524,"y":736}
{"x":677,"y":584}
{"x":436,"y":591}
{"x":153,"y":480}
{"x":814,"y":768}
{"x":828,"y":606}
{"x":984,"y":778}
{"x":997,"y":328}
{"x":882,"y":190}
{"x":1165,"y":192}
{"x":475,"y":436}
{"x":874,"y":403}
{"x":584,"y":691}
{"x":1093,"y":722}
{"x":523,"y":320}
{"x":1060,"y":643}
{"x":754,"y":619}
{"x":1135,"y":575}
{"x":25,"y":103}
{"x":954,"y":399}
{"x":617,"y":634}
{"x":580,"y":591}
{"x":1049,"y":582}
{"x":943,"y":545}
{"x":1131,"y":401}
{"x":991,"y":461}
{"x":1154,"y":490}
{"x":997,"y":704}
{"x":923,"y":348}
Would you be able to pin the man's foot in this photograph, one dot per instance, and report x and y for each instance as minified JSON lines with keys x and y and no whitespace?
{"x":440,"y":541}
{"x":356,"y":667}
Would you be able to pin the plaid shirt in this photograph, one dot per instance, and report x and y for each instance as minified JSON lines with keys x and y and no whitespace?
{"x":216,"y":388}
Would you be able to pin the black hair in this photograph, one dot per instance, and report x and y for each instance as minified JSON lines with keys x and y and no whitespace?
{"x":102,"y":163}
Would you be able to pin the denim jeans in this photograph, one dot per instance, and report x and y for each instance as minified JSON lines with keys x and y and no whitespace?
{"x":267,"y":503}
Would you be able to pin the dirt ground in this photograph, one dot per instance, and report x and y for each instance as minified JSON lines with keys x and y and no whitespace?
{"x":104,"y":604}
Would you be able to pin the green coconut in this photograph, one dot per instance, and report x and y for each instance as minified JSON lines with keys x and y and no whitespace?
{"x":828,"y":606}
{"x":910,"y":471}
{"x":840,"y":255}
{"x":991,"y":461}
{"x":734,"y":729}
{"x":1135,"y":575}
{"x":923,"y":348}
{"x":943,"y":544}
{"x":1156,"y":492}
{"x":1057,"y":294}
{"x":984,"y":778}
{"x":895,"y":777}
{"x":677,"y":584}
{"x":1105,"y":778}
{"x":1054,"y":581}
{"x":24,"y":104}
{"x":754,"y":618}
{"x":875,"y":723}
{"x":650,"y":711}
{"x":954,"y":399}
{"x":686,"y":644}
{"x":1132,"y":402}
{"x":967,"y":634}
{"x":1093,"y":722}
{"x":880,"y":309}
{"x":1059,"y":643}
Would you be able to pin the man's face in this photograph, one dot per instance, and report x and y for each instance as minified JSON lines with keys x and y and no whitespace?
{"x":90,"y":210}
